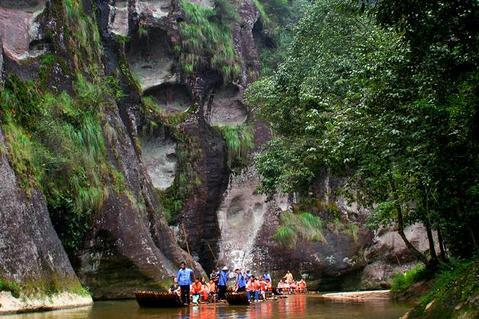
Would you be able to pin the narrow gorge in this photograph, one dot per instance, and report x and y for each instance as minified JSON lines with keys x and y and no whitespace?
{"x":131,"y":140}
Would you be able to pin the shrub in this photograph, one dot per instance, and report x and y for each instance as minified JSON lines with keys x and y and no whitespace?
{"x":303,"y":225}
{"x":402,"y":281}
{"x":8,"y":285}
{"x":239,"y":143}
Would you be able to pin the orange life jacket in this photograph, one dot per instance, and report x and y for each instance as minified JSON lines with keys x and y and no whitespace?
{"x":197,"y":287}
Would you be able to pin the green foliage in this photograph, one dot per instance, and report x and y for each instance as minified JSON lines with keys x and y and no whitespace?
{"x":402,"y":281}
{"x":391,"y":110}
{"x":454,"y":292}
{"x":303,"y":225}
{"x":239,"y":143}
{"x":206,"y":39}
{"x":274,"y":31}
{"x":83,"y":38}
{"x":56,"y":143}
{"x":262,"y":12}
{"x":13,"y":287}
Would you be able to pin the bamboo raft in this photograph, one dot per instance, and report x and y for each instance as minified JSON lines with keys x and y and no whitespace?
{"x":157,"y":299}
{"x":237,"y":299}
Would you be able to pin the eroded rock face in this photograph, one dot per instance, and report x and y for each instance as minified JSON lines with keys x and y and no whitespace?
{"x":159,"y":156}
{"x":332,"y":264}
{"x":227,"y":107}
{"x":130,"y":246}
{"x":155,"y":8}
{"x":199,"y":217}
{"x":241,"y":216}
{"x":171,"y":98}
{"x":347,"y":259}
{"x":388,"y":254}
{"x":30,"y":251}
{"x":20,"y":28}
{"x":151,"y":60}
{"x":118,"y":23}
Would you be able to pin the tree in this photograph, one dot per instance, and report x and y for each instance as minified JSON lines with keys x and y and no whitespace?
{"x":354,"y":96}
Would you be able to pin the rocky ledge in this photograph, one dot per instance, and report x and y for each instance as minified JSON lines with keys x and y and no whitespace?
{"x":63,"y":300}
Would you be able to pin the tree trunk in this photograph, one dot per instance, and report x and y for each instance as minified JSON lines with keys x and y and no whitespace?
{"x":441,"y":244}
{"x":473,"y":237}
{"x":400,"y":221}
{"x":430,"y":238}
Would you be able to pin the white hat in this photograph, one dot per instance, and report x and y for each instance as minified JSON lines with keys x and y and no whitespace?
{"x":225,"y":268}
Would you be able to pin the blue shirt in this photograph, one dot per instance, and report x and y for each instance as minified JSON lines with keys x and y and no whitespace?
{"x":223,"y":278}
{"x":184,"y":277}
{"x":267,"y":276}
{"x":240,"y":280}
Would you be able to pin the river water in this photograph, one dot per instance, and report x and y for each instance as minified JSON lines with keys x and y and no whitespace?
{"x":297,"y":307}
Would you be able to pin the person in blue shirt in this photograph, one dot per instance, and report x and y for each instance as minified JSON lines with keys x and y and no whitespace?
{"x":184,"y":278}
{"x":240,"y":281}
{"x":222,"y":281}
{"x":266,"y":276}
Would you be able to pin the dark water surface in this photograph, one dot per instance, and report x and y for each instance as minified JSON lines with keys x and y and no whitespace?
{"x":294,"y":307}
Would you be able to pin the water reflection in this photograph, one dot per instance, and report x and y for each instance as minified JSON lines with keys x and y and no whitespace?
{"x":294,"y":307}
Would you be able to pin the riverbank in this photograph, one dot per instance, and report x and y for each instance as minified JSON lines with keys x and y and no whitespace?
{"x":65,"y":300}
{"x":357,"y":296}
{"x":453,"y":293}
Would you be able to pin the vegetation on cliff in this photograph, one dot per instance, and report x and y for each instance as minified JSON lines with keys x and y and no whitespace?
{"x":57,"y":138}
{"x":206,"y":39}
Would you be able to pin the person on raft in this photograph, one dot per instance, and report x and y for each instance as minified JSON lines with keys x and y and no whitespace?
{"x":222,"y":282}
{"x":196,"y":291}
{"x":184,"y":278}
{"x":240,"y":281}
{"x":174,"y":288}
{"x":289,"y":277}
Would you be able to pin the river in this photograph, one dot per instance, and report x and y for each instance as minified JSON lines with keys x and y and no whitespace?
{"x":297,"y":307}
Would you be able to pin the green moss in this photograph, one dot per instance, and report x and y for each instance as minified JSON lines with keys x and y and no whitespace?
{"x":239,"y":143}
{"x":48,"y":286}
{"x":206,"y":40}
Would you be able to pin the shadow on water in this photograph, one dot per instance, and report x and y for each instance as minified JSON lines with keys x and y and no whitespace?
{"x":294,"y":307}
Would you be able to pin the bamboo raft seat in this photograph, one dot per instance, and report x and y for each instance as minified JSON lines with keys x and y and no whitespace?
{"x":237,"y":299}
{"x":157,"y":299}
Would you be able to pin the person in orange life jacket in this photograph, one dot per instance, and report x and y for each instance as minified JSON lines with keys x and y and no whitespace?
{"x":222,"y":281}
{"x":240,"y":281}
{"x":252,"y":289}
{"x":302,"y":286}
{"x":212,"y":289}
{"x":262,"y":288}
{"x":196,"y":289}
{"x":184,"y":278}
{"x":204,"y":289}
